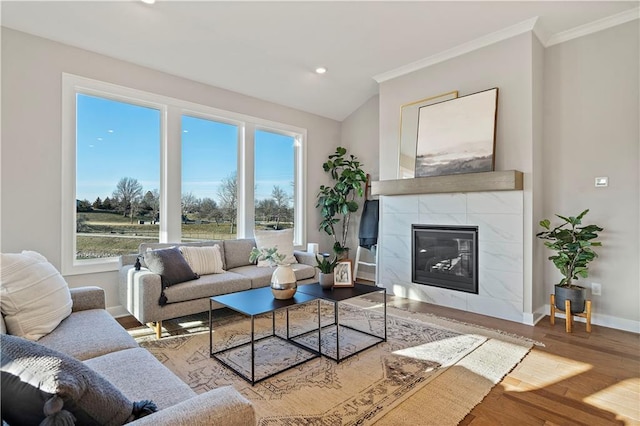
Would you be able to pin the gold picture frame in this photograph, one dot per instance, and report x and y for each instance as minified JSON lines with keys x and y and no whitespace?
{"x":343,"y":274}
{"x":409,"y":114}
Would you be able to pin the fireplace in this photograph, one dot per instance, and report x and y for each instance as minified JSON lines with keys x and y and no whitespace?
{"x":445,"y":256}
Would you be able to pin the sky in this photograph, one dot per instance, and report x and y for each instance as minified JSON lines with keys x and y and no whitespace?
{"x":116,"y":140}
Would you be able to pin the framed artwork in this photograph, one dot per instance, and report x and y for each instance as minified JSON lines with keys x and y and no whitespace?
{"x":409,"y":132}
{"x":343,"y":274}
{"x":457,"y":136}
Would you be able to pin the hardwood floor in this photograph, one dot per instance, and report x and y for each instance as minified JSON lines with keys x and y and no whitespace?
{"x":575,"y":379}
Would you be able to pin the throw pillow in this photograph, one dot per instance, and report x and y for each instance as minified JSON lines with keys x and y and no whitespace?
{"x":34,"y":297}
{"x":43,"y":386}
{"x":171,"y":266}
{"x":203,"y":260}
{"x":283,"y":240}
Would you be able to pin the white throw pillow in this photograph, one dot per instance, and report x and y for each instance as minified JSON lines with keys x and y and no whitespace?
{"x":203,"y":260}
{"x":35,"y":298}
{"x":283,"y":240}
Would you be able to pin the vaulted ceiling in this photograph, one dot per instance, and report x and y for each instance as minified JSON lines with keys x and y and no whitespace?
{"x":269,"y":50}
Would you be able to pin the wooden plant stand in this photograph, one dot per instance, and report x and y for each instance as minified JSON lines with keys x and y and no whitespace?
{"x":569,"y":316}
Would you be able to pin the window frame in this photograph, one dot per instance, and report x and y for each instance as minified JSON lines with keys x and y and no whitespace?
{"x":171,"y":112}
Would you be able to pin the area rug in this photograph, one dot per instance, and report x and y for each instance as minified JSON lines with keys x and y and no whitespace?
{"x":429,"y":371}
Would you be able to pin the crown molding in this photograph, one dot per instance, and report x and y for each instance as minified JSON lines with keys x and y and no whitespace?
{"x":531,"y":24}
{"x":462,"y":49}
{"x":592,"y":27}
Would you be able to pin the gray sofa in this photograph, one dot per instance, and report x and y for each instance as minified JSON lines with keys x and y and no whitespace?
{"x":140,"y":291}
{"x":93,"y":336}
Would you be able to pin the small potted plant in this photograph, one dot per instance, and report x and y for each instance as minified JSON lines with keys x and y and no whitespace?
{"x":573,"y":246}
{"x":283,"y":279}
{"x":326,"y":267}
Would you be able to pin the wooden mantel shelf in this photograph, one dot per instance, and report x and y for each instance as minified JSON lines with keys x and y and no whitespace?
{"x":509,"y":180}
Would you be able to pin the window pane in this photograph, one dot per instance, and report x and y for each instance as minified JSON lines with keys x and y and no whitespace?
{"x":209,"y":179}
{"x":117,"y":176}
{"x":274,"y":180}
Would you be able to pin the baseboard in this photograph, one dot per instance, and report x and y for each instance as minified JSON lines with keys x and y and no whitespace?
{"x":534,"y":318}
{"x":604,"y":321}
{"x":528,"y":319}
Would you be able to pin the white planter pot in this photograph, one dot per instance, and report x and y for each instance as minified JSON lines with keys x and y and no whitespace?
{"x":326,"y":280}
{"x":283,"y":282}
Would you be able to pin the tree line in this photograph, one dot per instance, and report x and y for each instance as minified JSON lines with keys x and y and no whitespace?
{"x":129,"y":199}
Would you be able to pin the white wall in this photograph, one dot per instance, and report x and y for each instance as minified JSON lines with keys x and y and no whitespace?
{"x":32,"y":70}
{"x":567,"y":114}
{"x":507,"y":65}
{"x":591,"y":103}
{"x":360,"y":136}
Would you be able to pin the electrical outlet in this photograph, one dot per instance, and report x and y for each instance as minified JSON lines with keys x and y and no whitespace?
{"x":596,"y":289}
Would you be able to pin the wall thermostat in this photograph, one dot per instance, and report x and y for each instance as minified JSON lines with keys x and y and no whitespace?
{"x":602,"y":181}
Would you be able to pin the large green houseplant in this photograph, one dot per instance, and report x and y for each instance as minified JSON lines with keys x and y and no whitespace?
{"x":572,"y":244}
{"x":338,"y":201}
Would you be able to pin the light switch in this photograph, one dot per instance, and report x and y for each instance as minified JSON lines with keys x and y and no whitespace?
{"x":602,"y":181}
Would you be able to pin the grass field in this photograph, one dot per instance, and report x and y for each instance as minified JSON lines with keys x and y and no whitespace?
{"x":105,"y":234}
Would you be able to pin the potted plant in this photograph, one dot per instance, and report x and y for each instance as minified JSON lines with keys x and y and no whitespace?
{"x":326,"y":267}
{"x":573,"y":246}
{"x":283,"y":279}
{"x":337,"y":202}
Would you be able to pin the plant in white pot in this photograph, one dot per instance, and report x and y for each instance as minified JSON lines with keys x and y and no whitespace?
{"x":326,"y":267}
{"x":572,"y":244}
{"x":283,"y":279}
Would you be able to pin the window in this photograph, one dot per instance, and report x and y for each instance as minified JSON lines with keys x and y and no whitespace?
{"x":141,"y":167}
{"x":274,"y":180}
{"x":209,"y":179}
{"x":117,"y":176}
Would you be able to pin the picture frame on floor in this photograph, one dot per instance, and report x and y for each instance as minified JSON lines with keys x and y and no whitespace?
{"x":343,"y":274}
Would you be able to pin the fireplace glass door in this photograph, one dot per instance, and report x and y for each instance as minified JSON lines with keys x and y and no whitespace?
{"x":445,"y":256}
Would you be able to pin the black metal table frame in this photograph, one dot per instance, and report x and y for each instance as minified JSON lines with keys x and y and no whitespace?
{"x":336,"y":323}
{"x":252,"y":341}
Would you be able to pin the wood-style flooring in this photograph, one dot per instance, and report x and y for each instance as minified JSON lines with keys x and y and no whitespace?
{"x":577,"y":378}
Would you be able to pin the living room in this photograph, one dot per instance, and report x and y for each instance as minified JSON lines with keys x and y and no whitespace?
{"x":567,"y":113}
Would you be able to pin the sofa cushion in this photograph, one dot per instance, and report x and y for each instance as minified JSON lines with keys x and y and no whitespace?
{"x":87,"y":334}
{"x":207,"y":286}
{"x":34,"y":297}
{"x":261,"y":277}
{"x":203,"y":260}
{"x":282,"y":240}
{"x":40,"y":384}
{"x":137,"y":373}
{"x":236,"y":252}
{"x":170,"y":264}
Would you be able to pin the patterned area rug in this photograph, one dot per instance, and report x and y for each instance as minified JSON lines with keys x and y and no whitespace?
{"x":363,"y":389}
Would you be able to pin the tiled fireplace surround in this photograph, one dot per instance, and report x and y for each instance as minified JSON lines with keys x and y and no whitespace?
{"x":499,"y":217}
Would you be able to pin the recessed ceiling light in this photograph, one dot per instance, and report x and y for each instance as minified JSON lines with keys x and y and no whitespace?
{"x":321,"y":70}
{"x":149,"y":1}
